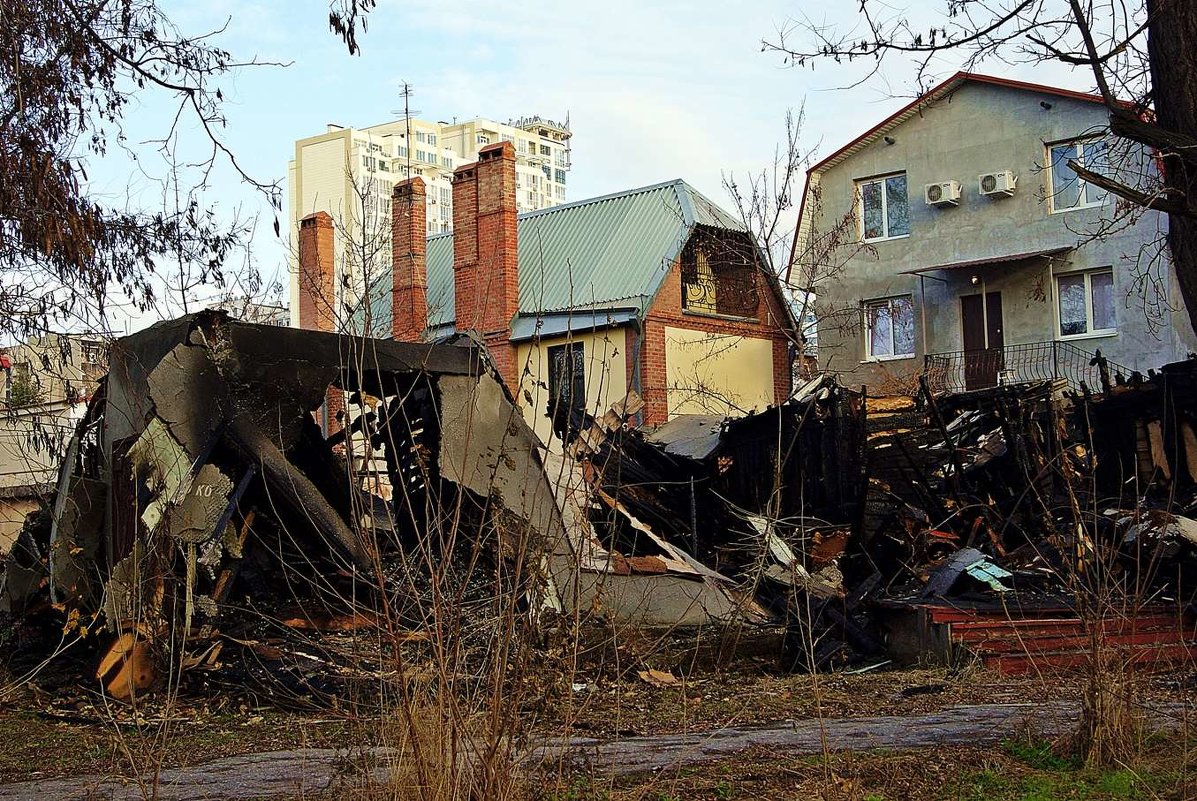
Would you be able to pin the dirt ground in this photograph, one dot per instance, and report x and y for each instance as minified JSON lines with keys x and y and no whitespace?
{"x":45,"y":737}
{"x":636,"y":707}
{"x":1017,"y":771}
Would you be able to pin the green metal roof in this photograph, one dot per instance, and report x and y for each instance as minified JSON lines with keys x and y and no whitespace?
{"x":609,"y":252}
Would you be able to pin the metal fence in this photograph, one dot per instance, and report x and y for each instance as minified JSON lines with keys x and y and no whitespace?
{"x":960,"y":371}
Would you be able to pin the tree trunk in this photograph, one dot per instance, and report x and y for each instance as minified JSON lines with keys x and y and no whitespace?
{"x":1172,"y":50}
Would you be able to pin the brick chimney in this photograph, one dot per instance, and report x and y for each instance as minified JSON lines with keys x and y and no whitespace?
{"x":317,"y":286}
{"x":317,"y":299}
{"x":485,"y":261}
{"x":465,"y":245}
{"x":409,"y":265}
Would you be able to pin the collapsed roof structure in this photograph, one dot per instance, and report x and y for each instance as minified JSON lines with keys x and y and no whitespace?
{"x":226,"y":467}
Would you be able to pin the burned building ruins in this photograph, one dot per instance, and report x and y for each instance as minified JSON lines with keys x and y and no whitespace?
{"x":238,"y":497}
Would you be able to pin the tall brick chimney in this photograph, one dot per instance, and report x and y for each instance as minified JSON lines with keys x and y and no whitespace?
{"x":317,"y":299}
{"x":409,"y":265}
{"x":465,"y":246}
{"x":317,"y":285}
{"x":485,"y":260}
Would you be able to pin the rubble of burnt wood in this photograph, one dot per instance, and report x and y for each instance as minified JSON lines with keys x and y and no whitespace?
{"x":764,"y":503}
{"x":281,"y":511}
{"x":277,"y":510}
{"x":1036,"y":502}
{"x":252,"y":504}
{"x":861,"y":524}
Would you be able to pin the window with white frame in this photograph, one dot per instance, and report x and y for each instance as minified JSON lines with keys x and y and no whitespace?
{"x":1068,"y":190}
{"x":1086,"y":303}
{"x":884,"y":207}
{"x":889,"y":327}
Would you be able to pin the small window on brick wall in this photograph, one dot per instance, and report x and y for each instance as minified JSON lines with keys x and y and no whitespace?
{"x":718,"y":276}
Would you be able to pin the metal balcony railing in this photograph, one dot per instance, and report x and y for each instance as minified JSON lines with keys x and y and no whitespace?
{"x":960,"y":371}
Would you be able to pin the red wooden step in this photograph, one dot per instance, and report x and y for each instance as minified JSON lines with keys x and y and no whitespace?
{"x":1142,"y":622}
{"x":1078,"y":642}
{"x":979,"y":634}
{"x":1155,"y":656}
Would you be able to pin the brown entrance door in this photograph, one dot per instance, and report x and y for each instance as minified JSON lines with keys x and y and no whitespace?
{"x":981,"y":323}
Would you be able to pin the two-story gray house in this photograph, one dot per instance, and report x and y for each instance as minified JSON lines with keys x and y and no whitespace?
{"x":976,"y":253}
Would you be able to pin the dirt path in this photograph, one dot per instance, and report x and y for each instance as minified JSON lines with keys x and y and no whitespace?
{"x":959,"y":725}
{"x":311,"y":771}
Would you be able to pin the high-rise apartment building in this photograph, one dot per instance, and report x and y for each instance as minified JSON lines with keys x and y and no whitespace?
{"x":350,"y":173}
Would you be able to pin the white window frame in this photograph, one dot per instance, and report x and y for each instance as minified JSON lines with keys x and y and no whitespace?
{"x":1078,"y":146}
{"x":868,"y":331}
{"x":880,"y":179}
{"x":1089,"y":332}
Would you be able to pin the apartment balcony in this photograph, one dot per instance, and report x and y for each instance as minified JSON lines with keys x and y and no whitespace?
{"x":961,"y":371}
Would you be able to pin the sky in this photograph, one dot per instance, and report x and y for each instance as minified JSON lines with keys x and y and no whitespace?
{"x":653,"y":90}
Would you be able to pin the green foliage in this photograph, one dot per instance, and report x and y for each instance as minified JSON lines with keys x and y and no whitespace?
{"x":1037,"y":754}
{"x":25,"y":390}
{"x":581,"y":790}
{"x":1050,"y":784}
{"x":1120,"y":784}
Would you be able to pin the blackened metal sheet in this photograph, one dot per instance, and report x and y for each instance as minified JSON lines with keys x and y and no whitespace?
{"x":274,"y":343}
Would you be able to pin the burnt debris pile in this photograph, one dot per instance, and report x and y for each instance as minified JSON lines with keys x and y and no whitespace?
{"x":256,"y":506}
{"x":299,"y":514}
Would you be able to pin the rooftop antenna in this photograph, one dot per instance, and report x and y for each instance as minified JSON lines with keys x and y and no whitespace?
{"x":406,"y":92}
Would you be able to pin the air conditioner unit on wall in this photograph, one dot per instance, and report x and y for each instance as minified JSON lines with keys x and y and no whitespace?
{"x":997,"y":184}
{"x":944,"y":193}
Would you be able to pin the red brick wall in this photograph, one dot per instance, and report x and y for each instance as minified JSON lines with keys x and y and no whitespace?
{"x":317,"y":281}
{"x":666,"y":311}
{"x":409,"y":263}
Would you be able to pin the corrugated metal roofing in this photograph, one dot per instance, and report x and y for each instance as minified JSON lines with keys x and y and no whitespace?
{"x":576,"y":320}
{"x":603,"y":253}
